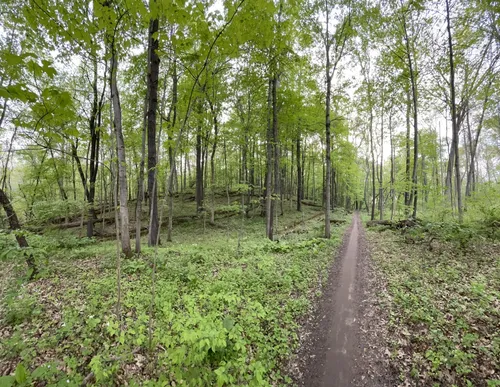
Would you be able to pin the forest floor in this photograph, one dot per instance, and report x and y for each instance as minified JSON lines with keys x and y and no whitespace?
{"x":405,"y":308}
{"x":227,"y":308}
{"x":374,"y":307}
{"x":441,"y":304}
{"x":345,"y":341}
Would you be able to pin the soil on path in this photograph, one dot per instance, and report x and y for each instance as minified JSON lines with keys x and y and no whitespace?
{"x":345,"y":341}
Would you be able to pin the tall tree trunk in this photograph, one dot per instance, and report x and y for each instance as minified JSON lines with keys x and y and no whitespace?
{"x":199,"y":165}
{"x":212,"y":159}
{"x":277,"y":151}
{"x":424,"y":180}
{"x":381,"y":179}
{"x":328,"y":160}
{"x":269,"y":165}
{"x":407,"y":161}
{"x":393,"y":171}
{"x":299,"y":173}
{"x":140,"y":181}
{"x":122,"y":160}
{"x":470,"y":186}
{"x":153,"y":70}
{"x":372,"y":152}
{"x":95,"y":138}
{"x":413,"y":83}
{"x":175,"y":80}
{"x":454,"y":119}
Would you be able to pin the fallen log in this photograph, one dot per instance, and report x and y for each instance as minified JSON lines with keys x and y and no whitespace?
{"x":310,"y":203}
{"x":372,"y":223}
{"x":108,"y":235}
{"x":79,"y":223}
{"x":401,"y":224}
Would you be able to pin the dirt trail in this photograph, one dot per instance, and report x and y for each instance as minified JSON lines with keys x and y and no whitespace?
{"x":344,"y":341}
{"x":341,"y":339}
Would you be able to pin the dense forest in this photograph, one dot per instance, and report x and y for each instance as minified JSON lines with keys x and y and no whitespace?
{"x":176,"y":177}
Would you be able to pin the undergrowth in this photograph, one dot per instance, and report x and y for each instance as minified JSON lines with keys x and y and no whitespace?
{"x":225,"y":313}
{"x":444,"y":291}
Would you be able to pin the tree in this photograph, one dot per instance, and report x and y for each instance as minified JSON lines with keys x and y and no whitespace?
{"x":152,"y":93}
{"x":335,"y":42}
{"x":117,"y":126}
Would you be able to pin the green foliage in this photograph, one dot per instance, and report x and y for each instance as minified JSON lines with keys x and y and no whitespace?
{"x":20,"y":308}
{"x":443,"y":314}
{"x":55,"y":210}
{"x":220,"y":318}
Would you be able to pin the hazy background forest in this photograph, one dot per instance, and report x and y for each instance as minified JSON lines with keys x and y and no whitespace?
{"x":162,"y":161}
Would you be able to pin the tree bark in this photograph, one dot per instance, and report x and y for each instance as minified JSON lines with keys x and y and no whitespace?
{"x":153,"y":70}
{"x":171,"y":157}
{"x":393,"y":171}
{"x":372,"y":152}
{"x":199,"y":164}
{"x":470,"y":186}
{"x":407,"y":161}
{"x":454,"y":120}
{"x":140,"y":181}
{"x":328,"y":162}
{"x":381,"y":179}
{"x":269,"y":166}
{"x":15,"y":225}
{"x":6,"y":167}
{"x":299,"y":173}
{"x":122,"y":160}
{"x":276,"y":144}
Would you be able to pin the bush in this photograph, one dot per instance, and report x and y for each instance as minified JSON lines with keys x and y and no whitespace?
{"x":48,"y":211}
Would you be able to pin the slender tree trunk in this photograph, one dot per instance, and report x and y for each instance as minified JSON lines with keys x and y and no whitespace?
{"x":470,"y":186}
{"x":276,"y":144}
{"x":269,"y":165}
{"x":175,"y":80}
{"x":59,"y":178}
{"x":407,"y":161}
{"x":199,"y":165}
{"x":328,"y":160}
{"x":424,"y":180}
{"x":381,"y":180}
{"x":313,"y":178}
{"x":152,"y":93}
{"x":393,"y":172}
{"x":372,"y":152}
{"x":454,"y":118}
{"x":299,"y":174}
{"x":413,"y":82}
{"x":122,"y":160}
{"x":140,"y":181}
{"x":95,"y":138}
{"x":6,"y":167}
{"x":212,"y":160}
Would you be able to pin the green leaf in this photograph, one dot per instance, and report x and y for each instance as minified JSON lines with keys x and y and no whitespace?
{"x":228,"y":323}
{"x":17,"y":91}
{"x":13,"y":59}
{"x":7,"y":381}
{"x":21,"y":373}
{"x":72,"y":131}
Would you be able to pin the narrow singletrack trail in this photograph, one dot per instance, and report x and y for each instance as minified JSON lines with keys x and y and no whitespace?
{"x":341,"y":340}
{"x":339,"y":350}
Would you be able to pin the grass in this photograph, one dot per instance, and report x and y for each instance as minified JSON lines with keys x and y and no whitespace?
{"x":225,"y":312}
{"x":444,"y":308}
